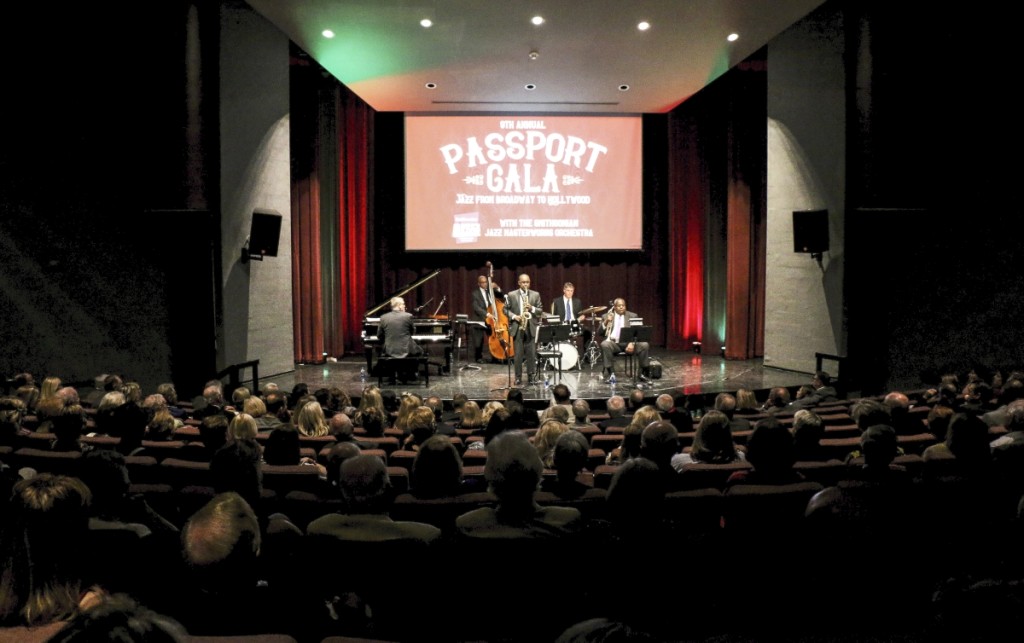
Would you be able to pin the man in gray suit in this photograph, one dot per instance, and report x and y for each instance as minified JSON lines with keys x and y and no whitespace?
{"x":523,"y":308}
{"x":612,"y":324}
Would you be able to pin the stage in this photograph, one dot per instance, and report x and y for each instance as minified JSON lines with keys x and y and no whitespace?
{"x":682,"y":372}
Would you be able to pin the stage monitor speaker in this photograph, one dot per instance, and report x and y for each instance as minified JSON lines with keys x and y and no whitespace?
{"x":810,"y":231}
{"x":264,"y":234}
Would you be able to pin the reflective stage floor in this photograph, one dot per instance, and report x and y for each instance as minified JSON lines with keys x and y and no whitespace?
{"x":682,"y":372}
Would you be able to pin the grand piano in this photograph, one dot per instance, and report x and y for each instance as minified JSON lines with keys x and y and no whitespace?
{"x":435,"y":334}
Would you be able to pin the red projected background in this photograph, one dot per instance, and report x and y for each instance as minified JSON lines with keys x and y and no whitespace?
{"x":523,"y":182}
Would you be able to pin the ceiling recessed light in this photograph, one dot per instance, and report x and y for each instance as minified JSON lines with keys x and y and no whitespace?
{"x":733,"y":37}
{"x":426,"y":23}
{"x":431,"y":85}
{"x":530,"y":87}
{"x":327,"y":33}
{"x":643,"y":25}
{"x":534,"y":55}
{"x":537,"y":20}
{"x":623,"y":88}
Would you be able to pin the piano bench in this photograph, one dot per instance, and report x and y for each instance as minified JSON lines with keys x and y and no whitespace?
{"x":401,"y":367}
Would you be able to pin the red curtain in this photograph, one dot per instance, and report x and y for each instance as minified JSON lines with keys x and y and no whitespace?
{"x":687,"y":212}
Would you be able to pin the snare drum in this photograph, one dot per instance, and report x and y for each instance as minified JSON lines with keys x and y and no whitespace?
{"x":569,"y":356}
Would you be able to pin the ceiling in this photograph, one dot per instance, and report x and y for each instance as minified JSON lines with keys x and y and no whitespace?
{"x":477,"y":53}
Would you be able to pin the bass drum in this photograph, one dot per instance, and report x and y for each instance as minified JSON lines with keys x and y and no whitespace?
{"x":569,"y":356}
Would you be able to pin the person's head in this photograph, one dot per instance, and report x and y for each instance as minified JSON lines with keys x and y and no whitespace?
{"x":340,"y":426}
{"x":161,"y":427}
{"x":132,"y":392}
{"x":636,"y":399}
{"x":275,"y":401}
{"x":239,"y":396}
{"x":524,"y":282}
{"x":105,"y":473}
{"x":213,"y":431}
{"x":497,"y":424}
{"x":68,"y":426}
{"x":254,"y":406}
{"x":409,"y":403}
{"x":867,"y":413}
{"x":896,"y":400}
{"x":808,"y":430}
{"x":12,"y":414}
{"x":489,"y":410}
{"x":42,"y":545}
{"x":546,"y":437}
{"x":603,"y":630}
{"x":664,"y":403}
{"x":437,"y":469}
{"x":471,"y":417}
{"x":435,"y":404}
{"x":282,"y":447}
{"x":804,"y":391}
{"x":636,"y":493}
{"x":968,"y":439}
{"x":938,"y":421}
{"x":118,"y":617}
{"x":458,"y":400}
{"x":712,"y":441}
{"x":557,"y":412}
{"x":571,"y":452}
{"x":397,"y":304}
{"x":778,"y":397}
{"x":481,"y":281}
{"x":236,"y":467}
{"x":644,"y":416}
{"x":560,"y":393}
{"x":365,"y":485}
{"x":242,"y":427}
{"x":879,"y":446}
{"x":310,"y":421}
{"x":746,"y":400}
{"x":568,"y":290}
{"x":659,"y":441}
{"x":373,"y":422}
{"x":616,"y":406}
{"x":821,"y":378}
{"x":619,"y":306}
{"x":50,"y":387}
{"x":581,"y":410}
{"x":335,"y":455}
{"x":169,"y":392}
{"x":513,"y":469}
{"x":770,"y":447}
{"x":421,"y":424}
{"x":221,"y":541}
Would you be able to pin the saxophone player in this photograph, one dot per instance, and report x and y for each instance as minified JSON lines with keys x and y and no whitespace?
{"x":523,"y":308}
{"x":611,"y":325}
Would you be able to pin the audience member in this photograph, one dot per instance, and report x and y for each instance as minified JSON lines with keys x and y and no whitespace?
{"x":119,"y":617}
{"x":712,"y":443}
{"x":616,"y":408}
{"x":808,"y":430}
{"x":569,"y":461}
{"x":771,"y":452}
{"x":436,"y":469}
{"x":545,"y":438}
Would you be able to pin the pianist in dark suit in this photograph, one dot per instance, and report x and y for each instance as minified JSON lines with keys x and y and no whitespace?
{"x":396,"y":331}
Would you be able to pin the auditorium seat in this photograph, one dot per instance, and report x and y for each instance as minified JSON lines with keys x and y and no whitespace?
{"x":697,"y":475}
{"x":44,"y":460}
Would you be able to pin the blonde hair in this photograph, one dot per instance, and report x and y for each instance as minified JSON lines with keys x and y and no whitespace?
{"x":545,"y":438}
{"x":254,"y":406}
{"x":242,"y":427}
{"x":310,"y":421}
{"x":489,"y":410}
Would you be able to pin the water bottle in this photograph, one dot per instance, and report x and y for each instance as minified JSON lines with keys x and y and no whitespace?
{"x":612,"y":380}
{"x":362,"y":375}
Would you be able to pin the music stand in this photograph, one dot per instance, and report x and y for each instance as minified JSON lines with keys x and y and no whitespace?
{"x":628,"y":334}
{"x":554,"y":335}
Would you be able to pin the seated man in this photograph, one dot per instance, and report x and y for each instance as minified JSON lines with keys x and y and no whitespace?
{"x":612,"y":326}
{"x":396,"y":330}
{"x":513,"y":472}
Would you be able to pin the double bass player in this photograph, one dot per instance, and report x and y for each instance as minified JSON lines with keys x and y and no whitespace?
{"x":483,"y":303}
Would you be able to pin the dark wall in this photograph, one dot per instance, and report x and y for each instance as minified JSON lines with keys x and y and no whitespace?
{"x":934,"y":273}
{"x":92,"y":156}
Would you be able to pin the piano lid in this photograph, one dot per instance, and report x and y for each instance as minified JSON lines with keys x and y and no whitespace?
{"x":401,"y":291}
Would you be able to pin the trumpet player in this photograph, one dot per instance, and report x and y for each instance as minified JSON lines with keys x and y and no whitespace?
{"x":524,"y":308}
{"x":611,"y":325}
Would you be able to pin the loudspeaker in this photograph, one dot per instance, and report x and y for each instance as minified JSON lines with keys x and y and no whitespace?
{"x":810,"y":231}
{"x":264,"y":233}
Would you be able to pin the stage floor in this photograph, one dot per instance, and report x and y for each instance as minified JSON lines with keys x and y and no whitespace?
{"x":682,"y":372}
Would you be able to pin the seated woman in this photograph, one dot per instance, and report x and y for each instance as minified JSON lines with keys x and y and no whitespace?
{"x":808,"y":430}
{"x":43,"y":548}
{"x":282,"y":448}
{"x":771,"y":451}
{"x":630,"y":447}
{"x":437,"y":469}
{"x":471,"y":418}
{"x":712,"y":443}
{"x":545,"y":438}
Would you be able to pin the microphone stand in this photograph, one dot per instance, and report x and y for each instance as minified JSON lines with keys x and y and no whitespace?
{"x":508,"y":362}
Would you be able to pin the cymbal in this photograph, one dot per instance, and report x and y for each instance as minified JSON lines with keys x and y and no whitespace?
{"x":593,"y":309}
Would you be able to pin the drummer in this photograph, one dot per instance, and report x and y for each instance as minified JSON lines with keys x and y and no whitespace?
{"x":568,"y":309}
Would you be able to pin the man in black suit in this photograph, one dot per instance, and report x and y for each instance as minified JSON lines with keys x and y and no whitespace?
{"x":523,"y":307}
{"x":567,"y":309}
{"x":483,"y":307}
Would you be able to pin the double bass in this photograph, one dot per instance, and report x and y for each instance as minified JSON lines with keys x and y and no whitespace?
{"x":498,"y":340}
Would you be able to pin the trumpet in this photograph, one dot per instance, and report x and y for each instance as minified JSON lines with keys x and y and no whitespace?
{"x":606,"y":323}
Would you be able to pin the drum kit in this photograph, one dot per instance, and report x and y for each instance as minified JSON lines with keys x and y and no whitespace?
{"x":570,"y":354}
